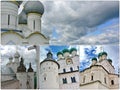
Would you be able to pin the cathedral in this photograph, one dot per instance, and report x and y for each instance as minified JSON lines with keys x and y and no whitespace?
{"x":23,"y":28}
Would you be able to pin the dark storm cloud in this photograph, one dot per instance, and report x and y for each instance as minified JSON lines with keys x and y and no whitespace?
{"x":75,"y":19}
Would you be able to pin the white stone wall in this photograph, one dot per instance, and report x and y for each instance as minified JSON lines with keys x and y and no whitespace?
{"x":22,"y":77}
{"x":49,"y":78}
{"x":34,"y":18}
{"x":107,"y":66}
{"x":64,"y":65}
{"x":31,"y":74}
{"x":9,"y":8}
{"x":69,"y":84}
{"x":99,"y":74}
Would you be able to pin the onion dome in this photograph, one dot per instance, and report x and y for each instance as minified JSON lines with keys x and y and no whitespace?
{"x":10,"y":58}
{"x":110,"y":61}
{"x":94,"y":59}
{"x":49,"y":56}
{"x":65,"y":50}
{"x":59,"y":53}
{"x":104,"y":53}
{"x":17,"y":55}
{"x":34,"y":7}
{"x":22,"y":17}
{"x":30,"y":68}
{"x":100,"y":54}
{"x":21,"y":68}
{"x":73,"y":49}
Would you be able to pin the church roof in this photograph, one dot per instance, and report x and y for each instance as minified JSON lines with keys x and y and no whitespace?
{"x":21,"y":68}
{"x":50,"y":58}
{"x":34,"y":7}
{"x":65,"y":50}
{"x":59,"y":53}
{"x":30,"y":68}
{"x":94,"y":59}
{"x":73,"y":49}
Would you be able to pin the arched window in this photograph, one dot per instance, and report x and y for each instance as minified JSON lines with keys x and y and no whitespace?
{"x":64,"y":70}
{"x":112,"y":82}
{"x":64,"y":80}
{"x":71,"y":69}
{"x":104,"y":79}
{"x":91,"y":77}
{"x":73,"y":80}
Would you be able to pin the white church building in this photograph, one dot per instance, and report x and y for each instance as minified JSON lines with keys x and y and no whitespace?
{"x":23,"y":28}
{"x":15,"y":75}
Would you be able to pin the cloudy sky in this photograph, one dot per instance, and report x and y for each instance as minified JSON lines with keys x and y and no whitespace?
{"x":81,"y":22}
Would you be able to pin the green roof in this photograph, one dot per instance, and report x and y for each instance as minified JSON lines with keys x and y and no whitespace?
{"x":94,"y":59}
{"x":73,"y":49}
{"x":110,"y":60}
{"x":104,"y":53}
{"x":65,"y":50}
{"x":59,"y":53}
{"x":100,"y":54}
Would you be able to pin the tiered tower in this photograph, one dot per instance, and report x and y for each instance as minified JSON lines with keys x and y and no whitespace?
{"x":49,"y":78}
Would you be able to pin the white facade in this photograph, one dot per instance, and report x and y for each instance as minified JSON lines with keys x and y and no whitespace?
{"x":100,"y":75}
{"x":22,"y":29}
{"x":60,"y":74}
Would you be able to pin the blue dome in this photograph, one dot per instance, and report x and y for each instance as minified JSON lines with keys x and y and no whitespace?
{"x":34,"y":7}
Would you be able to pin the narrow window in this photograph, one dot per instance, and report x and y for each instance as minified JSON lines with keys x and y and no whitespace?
{"x":78,"y":67}
{"x":64,"y":70}
{"x":34,"y":24}
{"x":71,"y":69}
{"x":91,"y":77}
{"x":105,"y":80}
{"x":64,"y":80}
{"x":45,"y":78}
{"x":112,"y":82}
{"x":73,"y":80}
{"x":8,"y":19}
{"x":84,"y":79}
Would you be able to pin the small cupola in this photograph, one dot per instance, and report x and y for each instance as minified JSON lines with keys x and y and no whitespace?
{"x":60,"y":55}
{"x":110,"y":61}
{"x":73,"y":51}
{"x":104,"y":56}
{"x":30,"y":68}
{"x":66,"y":53}
{"x":21,"y":68}
{"x":94,"y":61}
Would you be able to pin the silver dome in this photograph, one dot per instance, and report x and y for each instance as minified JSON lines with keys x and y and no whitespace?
{"x":34,"y":7}
{"x":22,"y":17}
